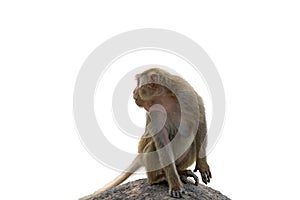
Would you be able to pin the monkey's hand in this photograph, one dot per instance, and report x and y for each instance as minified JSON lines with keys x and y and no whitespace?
{"x":204,"y":171}
{"x":176,"y":193}
{"x":188,"y":173}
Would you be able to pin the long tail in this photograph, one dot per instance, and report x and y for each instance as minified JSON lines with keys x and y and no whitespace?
{"x":135,"y":165}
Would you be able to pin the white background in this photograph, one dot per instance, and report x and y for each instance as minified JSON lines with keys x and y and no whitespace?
{"x":254,"y":44}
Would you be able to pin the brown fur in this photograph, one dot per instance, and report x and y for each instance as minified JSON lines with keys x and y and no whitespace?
{"x":180,"y":106}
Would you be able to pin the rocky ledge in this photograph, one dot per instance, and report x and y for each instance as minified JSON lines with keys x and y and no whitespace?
{"x":141,"y":190}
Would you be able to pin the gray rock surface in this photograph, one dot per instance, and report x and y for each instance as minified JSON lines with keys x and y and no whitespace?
{"x":140,"y":189}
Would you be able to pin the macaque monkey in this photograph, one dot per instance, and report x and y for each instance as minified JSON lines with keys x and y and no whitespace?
{"x":175,"y":133}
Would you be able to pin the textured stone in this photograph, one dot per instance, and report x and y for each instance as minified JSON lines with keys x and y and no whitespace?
{"x":141,"y":190}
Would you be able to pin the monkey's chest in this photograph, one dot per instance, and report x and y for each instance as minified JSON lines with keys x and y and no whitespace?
{"x":172,"y":124}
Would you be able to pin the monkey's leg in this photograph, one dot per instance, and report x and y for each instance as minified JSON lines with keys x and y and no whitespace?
{"x":166,"y":159}
{"x":204,"y":169}
{"x":186,"y":160}
{"x":150,"y":162}
{"x":201,"y":162}
{"x":165,"y":152}
{"x":188,"y":173}
{"x":155,"y":177}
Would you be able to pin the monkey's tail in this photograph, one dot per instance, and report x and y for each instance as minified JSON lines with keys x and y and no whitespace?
{"x":135,"y":165}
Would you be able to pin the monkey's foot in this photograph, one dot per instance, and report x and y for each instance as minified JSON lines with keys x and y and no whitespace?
{"x":188,"y":173}
{"x":176,"y":193}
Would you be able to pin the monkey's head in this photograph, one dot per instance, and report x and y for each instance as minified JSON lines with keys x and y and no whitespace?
{"x":150,"y":86}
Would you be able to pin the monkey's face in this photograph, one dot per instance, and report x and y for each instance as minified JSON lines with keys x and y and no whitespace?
{"x":146,"y":95}
{"x":137,"y":98}
{"x":148,"y":89}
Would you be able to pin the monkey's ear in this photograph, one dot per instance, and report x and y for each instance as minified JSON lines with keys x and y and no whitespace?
{"x":154,"y":78}
{"x":137,"y":76}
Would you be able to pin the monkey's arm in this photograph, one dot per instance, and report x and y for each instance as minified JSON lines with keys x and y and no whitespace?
{"x":165,"y":152}
{"x":201,"y":162}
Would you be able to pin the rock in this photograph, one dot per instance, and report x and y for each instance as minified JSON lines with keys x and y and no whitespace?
{"x":141,"y":190}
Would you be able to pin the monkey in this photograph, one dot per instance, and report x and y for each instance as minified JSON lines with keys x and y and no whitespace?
{"x":175,"y":134}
